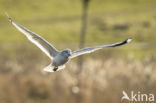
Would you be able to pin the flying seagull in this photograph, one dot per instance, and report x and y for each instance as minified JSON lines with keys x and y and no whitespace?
{"x":58,"y":58}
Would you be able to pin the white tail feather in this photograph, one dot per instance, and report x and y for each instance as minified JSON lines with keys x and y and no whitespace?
{"x":50,"y":68}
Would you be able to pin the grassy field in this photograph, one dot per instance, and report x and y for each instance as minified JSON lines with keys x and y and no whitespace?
{"x":57,"y":21}
{"x":105,"y":73}
{"x":101,"y":81}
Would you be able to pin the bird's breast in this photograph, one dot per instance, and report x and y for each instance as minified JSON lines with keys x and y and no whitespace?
{"x":60,"y":60}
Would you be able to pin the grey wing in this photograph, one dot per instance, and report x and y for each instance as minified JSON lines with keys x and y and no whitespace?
{"x":92,"y":49}
{"x":46,"y":47}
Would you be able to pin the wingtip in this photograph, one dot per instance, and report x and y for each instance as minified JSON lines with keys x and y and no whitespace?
{"x":8,"y":16}
{"x":129,"y":40}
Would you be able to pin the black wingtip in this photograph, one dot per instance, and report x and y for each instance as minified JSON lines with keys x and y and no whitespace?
{"x":8,"y":16}
{"x":122,"y":43}
{"x":126,"y":41}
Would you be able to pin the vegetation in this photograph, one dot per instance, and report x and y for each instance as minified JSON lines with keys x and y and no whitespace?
{"x":102,"y":80}
{"x":106,"y":73}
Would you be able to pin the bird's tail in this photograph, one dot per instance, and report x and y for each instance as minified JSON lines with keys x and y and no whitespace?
{"x":50,"y":68}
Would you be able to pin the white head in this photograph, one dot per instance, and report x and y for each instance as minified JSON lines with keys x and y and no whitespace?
{"x":66,"y":52}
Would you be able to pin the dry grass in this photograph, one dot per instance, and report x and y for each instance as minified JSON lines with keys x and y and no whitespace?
{"x":102,"y":80}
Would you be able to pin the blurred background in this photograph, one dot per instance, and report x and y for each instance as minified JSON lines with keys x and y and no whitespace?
{"x":104,"y":74}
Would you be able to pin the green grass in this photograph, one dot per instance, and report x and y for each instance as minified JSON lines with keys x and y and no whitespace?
{"x":59,"y":21}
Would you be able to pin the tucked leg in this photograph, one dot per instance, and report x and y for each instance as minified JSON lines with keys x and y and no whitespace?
{"x":55,"y":68}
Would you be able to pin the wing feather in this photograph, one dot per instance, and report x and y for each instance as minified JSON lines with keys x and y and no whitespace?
{"x":46,"y":47}
{"x":92,"y":49}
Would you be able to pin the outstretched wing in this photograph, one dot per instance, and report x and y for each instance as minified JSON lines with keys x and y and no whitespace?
{"x":92,"y":49}
{"x":46,"y":47}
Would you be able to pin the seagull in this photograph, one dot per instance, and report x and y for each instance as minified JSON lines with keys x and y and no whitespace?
{"x":58,"y":58}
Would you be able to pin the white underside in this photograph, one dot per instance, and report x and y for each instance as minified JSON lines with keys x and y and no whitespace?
{"x":50,"y":68}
